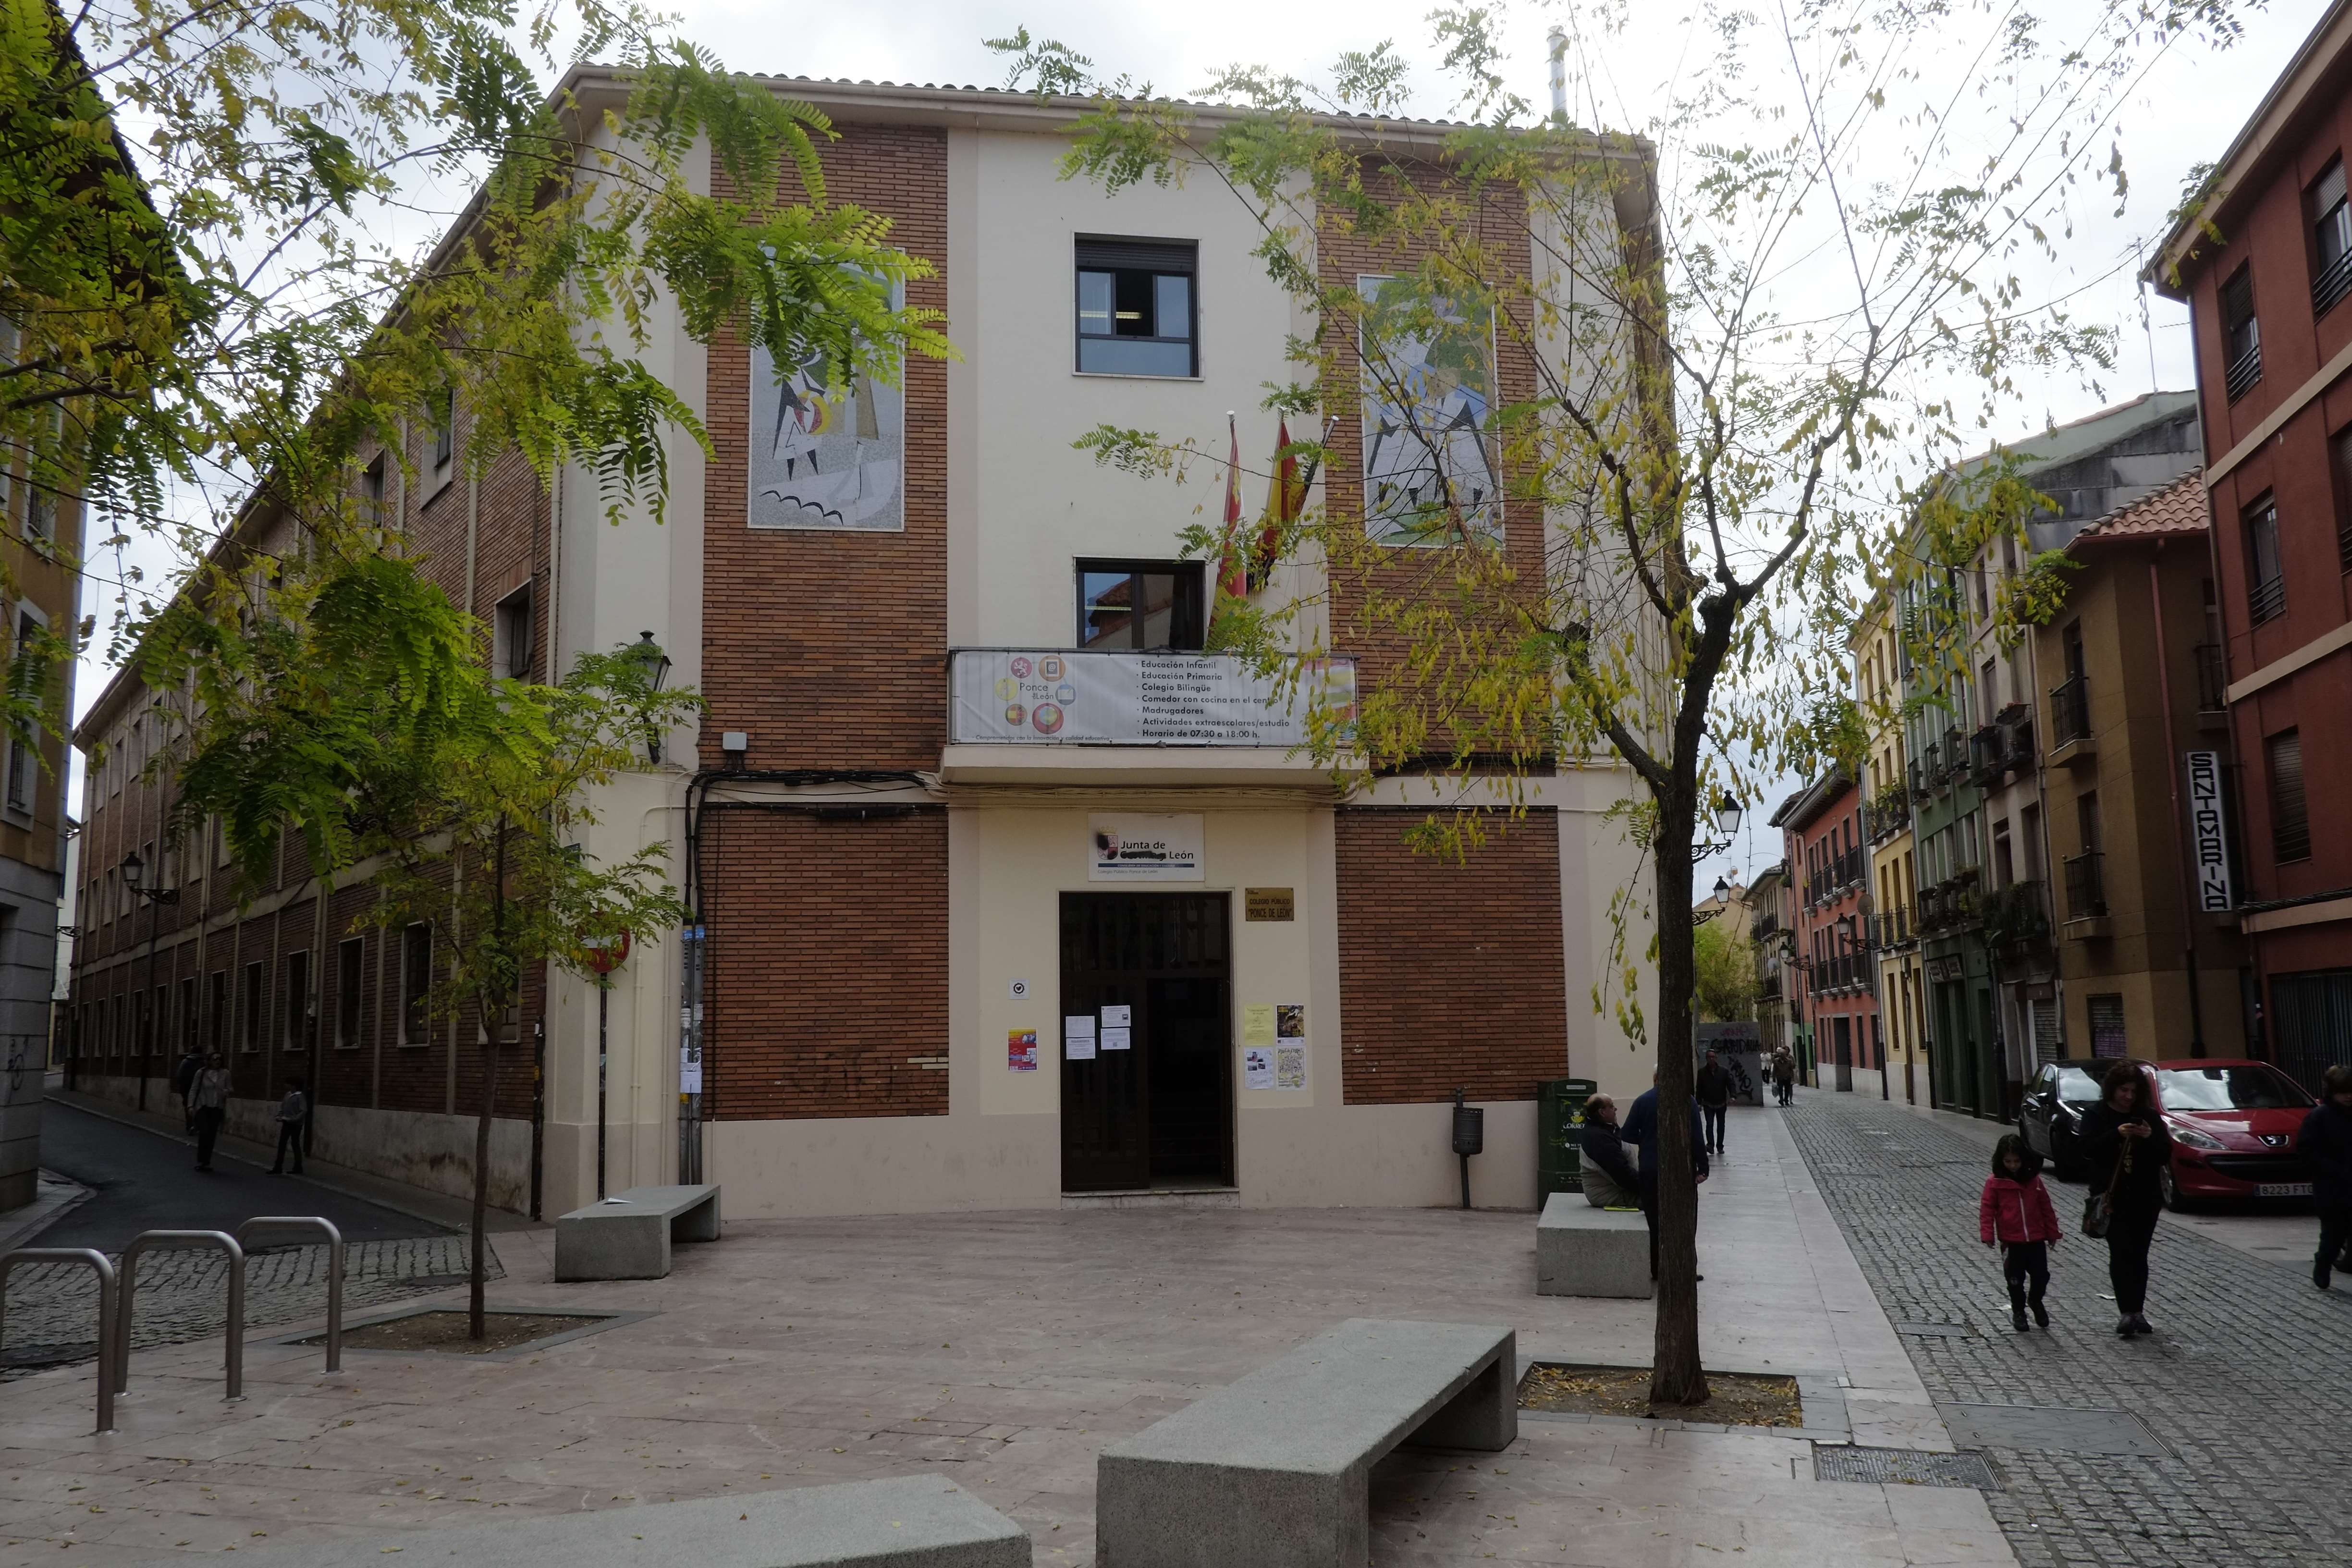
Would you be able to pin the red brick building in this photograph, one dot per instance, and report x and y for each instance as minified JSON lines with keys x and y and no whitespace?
{"x":997,"y":902}
{"x":2265,"y":267}
{"x":1829,"y":876}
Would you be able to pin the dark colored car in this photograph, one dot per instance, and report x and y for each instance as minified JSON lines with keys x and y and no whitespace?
{"x":2050,"y":1117}
{"x":2234,"y":1126}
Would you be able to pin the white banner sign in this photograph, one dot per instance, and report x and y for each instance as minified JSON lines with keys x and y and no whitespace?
{"x":1134,"y":699}
{"x":2208,"y":828}
{"x":1122,"y":847}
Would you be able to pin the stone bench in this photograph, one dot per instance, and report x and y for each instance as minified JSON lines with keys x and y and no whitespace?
{"x":627,"y":1236}
{"x":1274,"y":1471}
{"x":911,"y":1521}
{"x":1584,"y":1252}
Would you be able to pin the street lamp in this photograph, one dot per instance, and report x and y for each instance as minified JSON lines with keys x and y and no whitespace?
{"x":1726,"y":822}
{"x":649,"y":653}
{"x":134,"y":877}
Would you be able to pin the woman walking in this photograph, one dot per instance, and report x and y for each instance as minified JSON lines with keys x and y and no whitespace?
{"x":2128,"y":1148}
{"x":2015,"y":1211}
{"x":2326,"y":1145}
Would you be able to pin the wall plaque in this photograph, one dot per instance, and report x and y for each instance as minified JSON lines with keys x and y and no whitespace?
{"x":1269,"y":904}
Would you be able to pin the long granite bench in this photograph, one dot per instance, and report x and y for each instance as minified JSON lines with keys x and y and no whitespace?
{"x":627,"y":1236}
{"x":911,"y":1521}
{"x":1273,"y":1471}
{"x":1584,"y":1252}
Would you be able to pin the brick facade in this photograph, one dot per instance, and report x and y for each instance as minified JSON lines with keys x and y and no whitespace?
{"x":1450,"y":975}
{"x":829,"y":648}
{"x":826,"y":979}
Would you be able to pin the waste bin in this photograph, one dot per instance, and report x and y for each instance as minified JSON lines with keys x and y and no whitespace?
{"x":1559,"y":1135}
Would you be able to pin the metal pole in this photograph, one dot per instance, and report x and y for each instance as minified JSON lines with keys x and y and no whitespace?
{"x":233,"y":1359}
{"x":603,"y":1006}
{"x":107,"y":1310}
{"x":334,"y":1271}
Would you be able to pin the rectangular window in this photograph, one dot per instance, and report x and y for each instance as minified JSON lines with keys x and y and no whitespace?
{"x":249,"y":1025}
{"x":2107,"y":1027}
{"x":298,"y":1000}
{"x":2331,"y":238}
{"x":2265,"y":576}
{"x":2343,"y":446}
{"x":1140,"y":604}
{"x":2290,"y":816}
{"x":217,"y":1034}
{"x":416,"y":984}
{"x":188,"y":1014}
{"x":444,"y":429}
{"x":1136,"y":307}
{"x":24,"y":761}
{"x":374,"y":492}
{"x":350,"y":976}
{"x":2241,"y":334}
{"x":511,"y":636}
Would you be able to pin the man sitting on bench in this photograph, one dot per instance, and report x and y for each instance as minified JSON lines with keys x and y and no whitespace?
{"x":1609,"y":1180}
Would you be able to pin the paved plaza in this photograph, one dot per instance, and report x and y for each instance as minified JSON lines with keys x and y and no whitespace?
{"x":1010,"y":1349}
{"x":2244,"y":1387}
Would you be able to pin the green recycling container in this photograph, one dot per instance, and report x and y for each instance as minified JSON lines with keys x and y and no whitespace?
{"x":1559,"y":1135}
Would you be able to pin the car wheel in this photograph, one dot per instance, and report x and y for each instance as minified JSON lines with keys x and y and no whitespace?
{"x":2170,"y":1187}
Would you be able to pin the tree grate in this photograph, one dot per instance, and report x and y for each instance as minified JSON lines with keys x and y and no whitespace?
{"x":1901,"y":1466}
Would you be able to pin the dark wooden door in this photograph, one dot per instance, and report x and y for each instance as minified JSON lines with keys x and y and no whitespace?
{"x":1160,"y":1111}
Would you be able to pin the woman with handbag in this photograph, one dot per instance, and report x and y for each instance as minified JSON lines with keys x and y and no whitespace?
{"x":2126,"y":1147}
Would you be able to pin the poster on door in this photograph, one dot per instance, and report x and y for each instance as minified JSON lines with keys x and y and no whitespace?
{"x":1127,"y":846}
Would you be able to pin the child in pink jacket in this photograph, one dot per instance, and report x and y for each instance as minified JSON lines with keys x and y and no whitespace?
{"x":2016,"y":1212}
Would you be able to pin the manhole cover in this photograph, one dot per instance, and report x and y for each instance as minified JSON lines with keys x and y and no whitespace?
{"x":1901,"y":1466}
{"x":1938,"y":1330}
{"x":2049,"y":1429}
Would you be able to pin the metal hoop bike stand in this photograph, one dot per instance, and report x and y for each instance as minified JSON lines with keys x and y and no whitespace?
{"x":334,"y":1270}
{"x":151,"y":1240}
{"x":107,"y":1307}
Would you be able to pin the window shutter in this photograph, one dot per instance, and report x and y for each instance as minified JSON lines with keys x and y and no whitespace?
{"x":1142,"y":255}
{"x":2327,"y":191}
{"x":2290,"y":818}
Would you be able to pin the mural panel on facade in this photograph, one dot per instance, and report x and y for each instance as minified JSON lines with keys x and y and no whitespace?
{"x":1428,"y":387}
{"x":827,"y":452}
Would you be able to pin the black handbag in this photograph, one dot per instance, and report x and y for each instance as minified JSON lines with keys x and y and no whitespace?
{"x":2099,"y":1209}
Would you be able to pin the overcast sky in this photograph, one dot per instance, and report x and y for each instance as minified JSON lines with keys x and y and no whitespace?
{"x":2188,"y":110}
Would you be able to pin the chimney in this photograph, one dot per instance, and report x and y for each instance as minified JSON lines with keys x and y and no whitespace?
{"x":1557,"y":40}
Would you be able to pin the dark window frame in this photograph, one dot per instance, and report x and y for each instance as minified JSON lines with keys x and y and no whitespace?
{"x":351,"y":992}
{"x":2327,"y":219}
{"x":2266,"y":590}
{"x":2290,"y":804}
{"x":415,"y":1020}
{"x":514,"y":627}
{"x":2242,"y":334}
{"x":1130,"y":257}
{"x":1195,"y":573}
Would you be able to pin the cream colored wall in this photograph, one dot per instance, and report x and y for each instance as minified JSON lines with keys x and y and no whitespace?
{"x":1035,"y":504}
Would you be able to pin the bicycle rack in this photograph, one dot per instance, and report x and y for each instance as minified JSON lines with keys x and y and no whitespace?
{"x":334,"y":1270}
{"x":108,"y":1306}
{"x":150,"y":1240}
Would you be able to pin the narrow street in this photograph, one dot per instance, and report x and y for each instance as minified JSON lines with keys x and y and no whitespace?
{"x":143,"y":1180}
{"x":2217,"y":1442}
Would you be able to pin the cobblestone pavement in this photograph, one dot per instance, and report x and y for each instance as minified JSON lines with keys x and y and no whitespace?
{"x":52,"y":1309}
{"x":2245,"y":1380}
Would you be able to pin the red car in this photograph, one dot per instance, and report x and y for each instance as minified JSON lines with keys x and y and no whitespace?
{"x":2234,"y":1126}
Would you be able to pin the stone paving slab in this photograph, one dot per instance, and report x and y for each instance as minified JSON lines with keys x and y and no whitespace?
{"x":2244,"y":1381}
{"x":1006,"y":1350}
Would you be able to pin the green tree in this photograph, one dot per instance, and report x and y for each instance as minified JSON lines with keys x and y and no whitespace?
{"x":1722,"y":976}
{"x":1742,"y":339}
{"x":359,"y":717}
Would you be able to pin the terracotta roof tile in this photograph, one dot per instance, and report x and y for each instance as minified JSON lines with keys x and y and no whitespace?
{"x":2177,"y":510}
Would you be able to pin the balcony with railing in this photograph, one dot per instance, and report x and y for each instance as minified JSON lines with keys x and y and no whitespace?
{"x":2331,"y":283}
{"x":1988,"y":756}
{"x":2070,"y":719}
{"x":2018,"y":916}
{"x":2266,"y":598}
{"x":1890,"y":812}
{"x":2212,"y":681}
{"x":2244,"y":371}
{"x":1948,"y":905}
{"x":2086,"y":896}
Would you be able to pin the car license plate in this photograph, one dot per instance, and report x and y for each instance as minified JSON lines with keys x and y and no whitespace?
{"x":2282,"y":1190}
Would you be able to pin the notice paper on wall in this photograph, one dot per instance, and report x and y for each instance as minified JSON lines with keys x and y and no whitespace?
{"x":1290,"y":1020}
{"x":1078,"y":1037}
{"x":1257,"y":1023}
{"x":1290,"y":1064}
{"x":1114,"y":1039}
{"x":1118,"y":1017}
{"x":1258,"y":1068}
{"x":1020,"y":1051}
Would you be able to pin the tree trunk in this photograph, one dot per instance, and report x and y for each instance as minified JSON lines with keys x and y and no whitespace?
{"x":1677,"y":1376}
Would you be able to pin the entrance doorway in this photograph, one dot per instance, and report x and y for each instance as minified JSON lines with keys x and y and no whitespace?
{"x":1841,"y":1032}
{"x":1160,"y":1111}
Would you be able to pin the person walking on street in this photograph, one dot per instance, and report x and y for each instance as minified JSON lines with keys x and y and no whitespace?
{"x":2016,"y":1212}
{"x":2127,"y":1148}
{"x":1712,"y":1092}
{"x":211,"y":1096}
{"x":183,"y":1084}
{"x":292,"y":1112}
{"x":1642,"y":1131}
{"x":1609,"y":1180}
{"x":2326,"y":1144}
{"x":1784,"y":1074}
